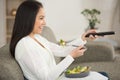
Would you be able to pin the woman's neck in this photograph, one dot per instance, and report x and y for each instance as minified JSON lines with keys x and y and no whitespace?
{"x":32,"y":35}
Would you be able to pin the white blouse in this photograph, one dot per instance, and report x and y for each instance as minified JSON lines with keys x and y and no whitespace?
{"x":38,"y":63}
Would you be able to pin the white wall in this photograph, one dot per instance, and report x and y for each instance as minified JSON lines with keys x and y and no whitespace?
{"x":64,"y":17}
{"x":2,"y":24}
{"x":107,"y":8}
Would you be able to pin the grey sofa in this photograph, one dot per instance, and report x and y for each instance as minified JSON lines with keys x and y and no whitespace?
{"x":100,"y":56}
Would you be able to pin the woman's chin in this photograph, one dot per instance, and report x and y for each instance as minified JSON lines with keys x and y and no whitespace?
{"x":39,"y":32}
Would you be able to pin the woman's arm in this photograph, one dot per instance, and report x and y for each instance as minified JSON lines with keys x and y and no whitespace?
{"x":62,"y":51}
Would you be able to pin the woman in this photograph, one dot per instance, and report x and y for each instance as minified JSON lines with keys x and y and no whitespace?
{"x":35,"y":54}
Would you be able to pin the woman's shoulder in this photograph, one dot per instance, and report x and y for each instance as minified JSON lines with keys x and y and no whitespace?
{"x":26,"y":38}
{"x":20,"y":47}
{"x":23,"y":41}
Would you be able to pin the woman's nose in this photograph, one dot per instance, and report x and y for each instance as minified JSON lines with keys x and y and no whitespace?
{"x":44,"y":22}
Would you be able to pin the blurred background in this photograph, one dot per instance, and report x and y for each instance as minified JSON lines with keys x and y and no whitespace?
{"x":65,"y":19}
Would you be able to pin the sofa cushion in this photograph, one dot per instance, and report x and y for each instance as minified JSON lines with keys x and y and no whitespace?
{"x":9,"y":69}
{"x":110,"y":41}
{"x":97,"y":51}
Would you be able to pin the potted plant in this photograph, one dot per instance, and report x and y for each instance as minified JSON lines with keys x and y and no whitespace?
{"x":91,"y":16}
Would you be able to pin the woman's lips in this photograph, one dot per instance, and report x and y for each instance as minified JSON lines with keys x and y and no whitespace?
{"x":41,"y":28}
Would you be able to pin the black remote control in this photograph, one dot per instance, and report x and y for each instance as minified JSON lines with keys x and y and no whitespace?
{"x":101,"y":33}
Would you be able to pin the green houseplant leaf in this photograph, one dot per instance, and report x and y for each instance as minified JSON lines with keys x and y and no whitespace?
{"x":91,"y":16}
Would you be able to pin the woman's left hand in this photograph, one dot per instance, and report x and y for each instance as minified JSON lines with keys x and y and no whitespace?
{"x":91,"y":36}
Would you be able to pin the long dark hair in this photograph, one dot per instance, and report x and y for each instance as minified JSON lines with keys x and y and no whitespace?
{"x":24,"y":22}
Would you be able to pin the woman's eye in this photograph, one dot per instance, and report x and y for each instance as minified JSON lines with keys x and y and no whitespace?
{"x":41,"y":18}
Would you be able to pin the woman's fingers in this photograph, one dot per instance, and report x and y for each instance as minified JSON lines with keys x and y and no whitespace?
{"x":92,"y":37}
{"x":89,"y":31}
{"x":79,"y":51}
{"x":79,"y":47}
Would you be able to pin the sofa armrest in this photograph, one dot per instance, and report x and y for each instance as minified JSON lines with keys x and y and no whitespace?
{"x":9,"y":69}
{"x":97,"y":51}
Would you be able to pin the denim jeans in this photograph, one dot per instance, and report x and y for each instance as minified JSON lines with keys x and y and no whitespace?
{"x":105,"y":74}
{"x":25,"y":78}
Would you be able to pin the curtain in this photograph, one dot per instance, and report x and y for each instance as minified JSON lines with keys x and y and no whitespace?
{"x":116,"y":23}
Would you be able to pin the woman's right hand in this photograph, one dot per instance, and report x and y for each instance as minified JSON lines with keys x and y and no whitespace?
{"x":77,"y":52}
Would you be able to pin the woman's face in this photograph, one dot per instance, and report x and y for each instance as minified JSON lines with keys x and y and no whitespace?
{"x":39,"y":22}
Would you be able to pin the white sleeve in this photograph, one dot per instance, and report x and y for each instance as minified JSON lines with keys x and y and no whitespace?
{"x":62,"y":51}
{"x":77,"y":41}
{"x":34,"y":65}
